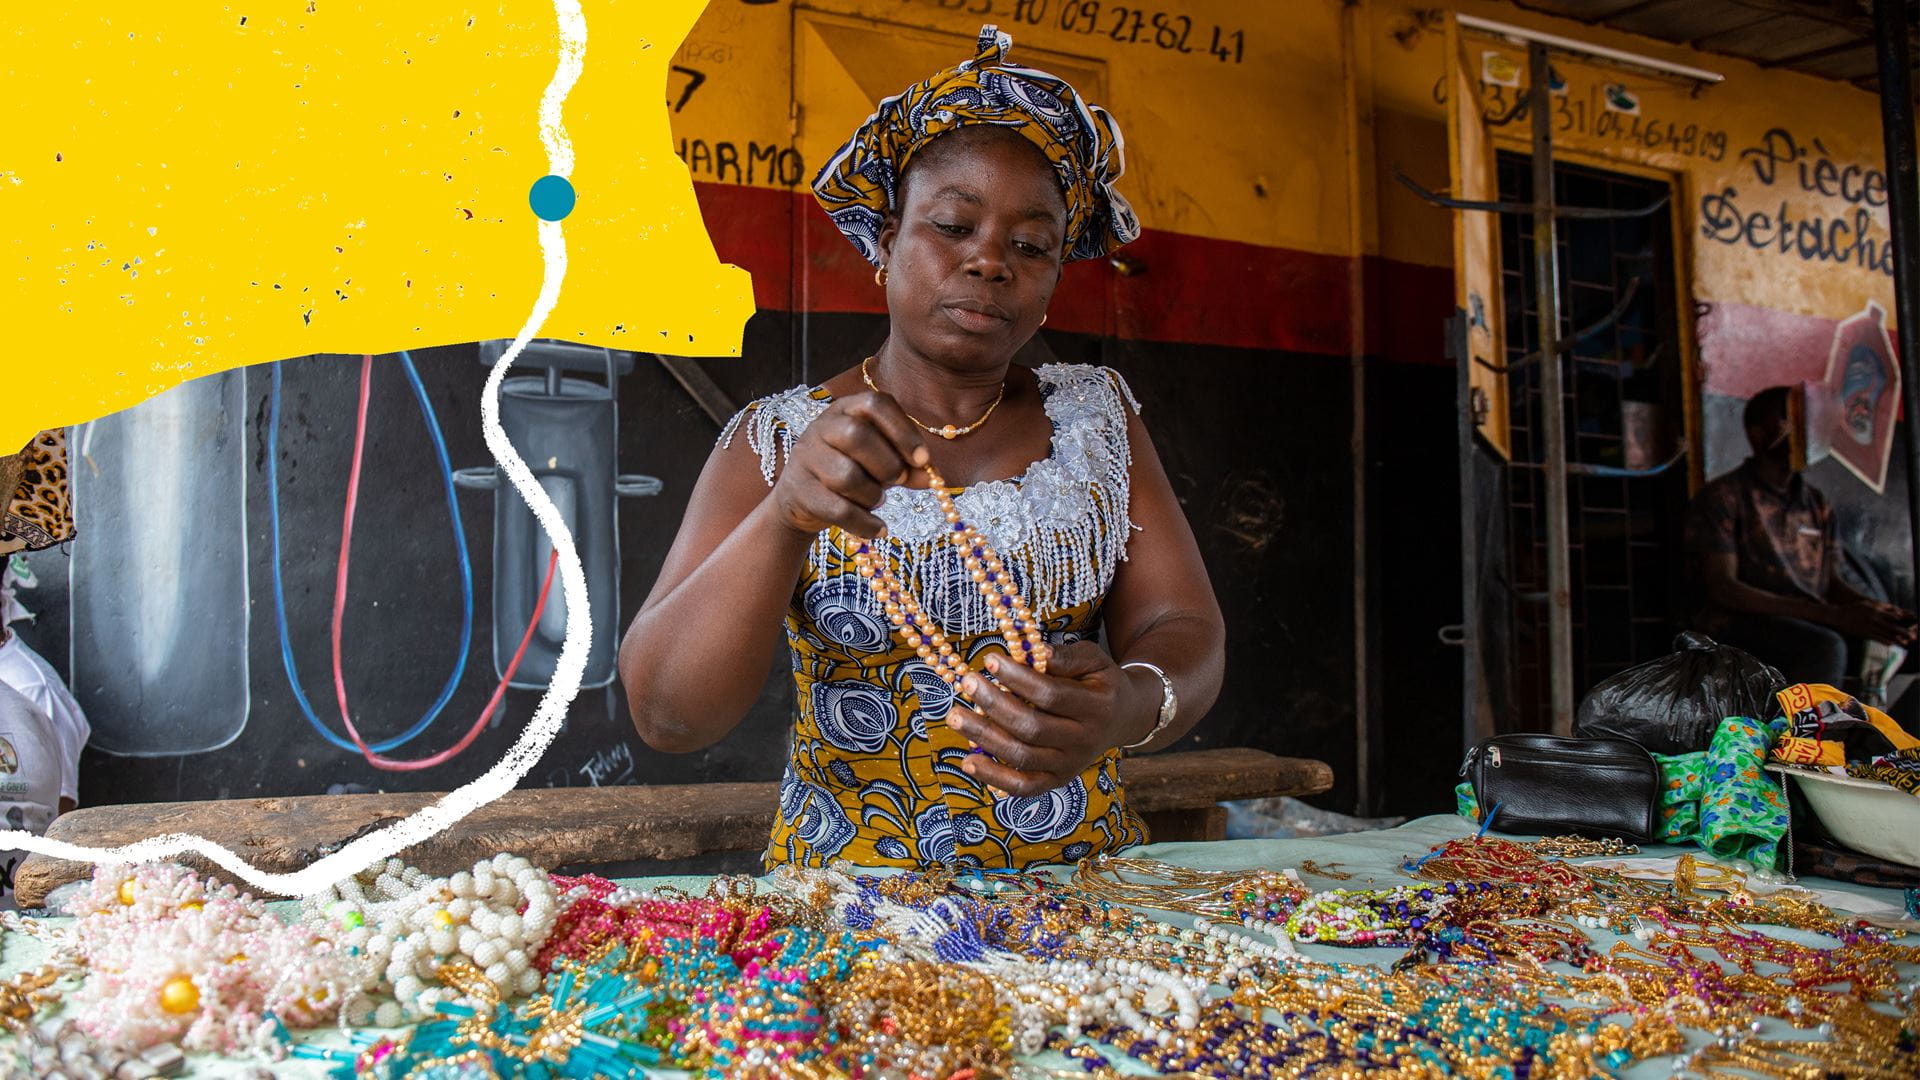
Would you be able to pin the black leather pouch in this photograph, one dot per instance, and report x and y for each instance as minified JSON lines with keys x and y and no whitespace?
{"x":1545,"y":785}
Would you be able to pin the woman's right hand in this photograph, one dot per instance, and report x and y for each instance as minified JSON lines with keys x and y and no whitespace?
{"x":839,"y":471}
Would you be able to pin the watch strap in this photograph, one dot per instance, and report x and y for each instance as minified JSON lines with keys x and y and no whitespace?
{"x":1169,"y":703}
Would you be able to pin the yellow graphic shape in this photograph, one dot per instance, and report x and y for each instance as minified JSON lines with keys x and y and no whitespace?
{"x":189,"y":187}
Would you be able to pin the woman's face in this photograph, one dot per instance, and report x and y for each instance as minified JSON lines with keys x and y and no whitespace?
{"x":975,"y":252}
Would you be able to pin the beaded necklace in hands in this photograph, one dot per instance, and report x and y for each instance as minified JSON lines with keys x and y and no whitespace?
{"x":1017,"y":624}
{"x":990,"y":576}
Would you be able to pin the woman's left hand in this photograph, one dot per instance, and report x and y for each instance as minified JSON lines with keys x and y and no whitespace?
{"x":1045,"y":729}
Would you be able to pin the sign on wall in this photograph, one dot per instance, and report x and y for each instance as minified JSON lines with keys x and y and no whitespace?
{"x":1863,"y":379}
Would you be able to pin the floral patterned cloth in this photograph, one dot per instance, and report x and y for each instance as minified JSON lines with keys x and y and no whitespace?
{"x":1718,"y":798}
{"x":1682,"y":783}
{"x":873,"y":772}
{"x":1743,"y":813}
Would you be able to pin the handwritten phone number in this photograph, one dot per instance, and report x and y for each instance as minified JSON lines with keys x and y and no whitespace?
{"x":1588,"y":117}
{"x":1118,"y":22}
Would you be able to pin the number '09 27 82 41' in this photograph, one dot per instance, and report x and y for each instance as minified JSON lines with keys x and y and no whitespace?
{"x":1171,"y":31}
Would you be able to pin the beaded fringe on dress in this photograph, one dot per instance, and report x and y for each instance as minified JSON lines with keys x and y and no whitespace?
{"x":1061,"y":527}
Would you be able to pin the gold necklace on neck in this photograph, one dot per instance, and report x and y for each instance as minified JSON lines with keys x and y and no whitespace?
{"x":947,"y":431}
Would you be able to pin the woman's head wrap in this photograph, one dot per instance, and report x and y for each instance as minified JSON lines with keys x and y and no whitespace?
{"x":858,"y":185}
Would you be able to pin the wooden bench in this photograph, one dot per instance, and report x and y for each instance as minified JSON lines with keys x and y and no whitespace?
{"x":1177,"y":794}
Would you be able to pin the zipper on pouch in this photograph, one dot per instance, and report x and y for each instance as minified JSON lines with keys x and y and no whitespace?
{"x":1493,"y":759}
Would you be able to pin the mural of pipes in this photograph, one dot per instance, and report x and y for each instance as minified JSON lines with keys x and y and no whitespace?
{"x":160,"y":607}
{"x":567,"y":428}
{"x":229,"y":610}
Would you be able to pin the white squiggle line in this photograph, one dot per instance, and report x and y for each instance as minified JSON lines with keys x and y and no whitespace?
{"x":572,"y":60}
{"x":572,"y":662}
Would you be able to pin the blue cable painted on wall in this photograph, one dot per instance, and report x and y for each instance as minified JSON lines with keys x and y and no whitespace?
{"x":460,"y":545}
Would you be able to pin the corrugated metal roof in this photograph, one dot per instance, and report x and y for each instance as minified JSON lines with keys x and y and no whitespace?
{"x":1831,"y":39}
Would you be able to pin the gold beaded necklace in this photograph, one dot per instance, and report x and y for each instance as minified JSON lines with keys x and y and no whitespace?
{"x":945,"y":431}
{"x":1026,"y":644}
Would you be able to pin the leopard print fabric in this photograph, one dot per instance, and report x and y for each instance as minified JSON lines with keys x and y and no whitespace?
{"x":39,"y":513}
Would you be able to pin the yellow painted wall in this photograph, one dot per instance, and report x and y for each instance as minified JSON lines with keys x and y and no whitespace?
{"x":1283,"y":125}
{"x":1257,"y":149}
{"x":1709,"y":141}
{"x":1251,"y":147}
{"x":730,"y":85}
{"x":185,"y":188}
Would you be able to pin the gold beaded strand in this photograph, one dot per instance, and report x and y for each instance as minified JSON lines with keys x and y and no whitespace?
{"x":1026,"y":643}
{"x":990,"y":575}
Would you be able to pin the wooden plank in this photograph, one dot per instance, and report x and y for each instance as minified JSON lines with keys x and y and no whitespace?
{"x":1199,"y":823}
{"x":1198,"y":778}
{"x":701,"y":388}
{"x":551,"y":826}
{"x":575,"y":826}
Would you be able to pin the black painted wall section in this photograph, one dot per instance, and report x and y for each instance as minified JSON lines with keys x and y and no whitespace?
{"x":1413,"y":518}
{"x":1256,"y":444}
{"x":1257,"y":448}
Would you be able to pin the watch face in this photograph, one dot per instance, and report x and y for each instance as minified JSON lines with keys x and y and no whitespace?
{"x":1167,"y":701}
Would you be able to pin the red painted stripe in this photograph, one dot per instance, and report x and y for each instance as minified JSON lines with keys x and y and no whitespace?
{"x":752,"y":229}
{"x":1189,"y":289}
{"x":1218,"y":292}
{"x":1407,"y":310}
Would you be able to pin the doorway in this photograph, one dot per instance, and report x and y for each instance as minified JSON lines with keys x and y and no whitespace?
{"x":1626,"y":430}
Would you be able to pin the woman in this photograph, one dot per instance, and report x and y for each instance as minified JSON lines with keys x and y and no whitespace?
{"x":967,"y":192}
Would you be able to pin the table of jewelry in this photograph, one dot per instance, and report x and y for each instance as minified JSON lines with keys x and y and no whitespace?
{"x":1416,"y":951}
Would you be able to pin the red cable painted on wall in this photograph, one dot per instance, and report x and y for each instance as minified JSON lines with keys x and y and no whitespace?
{"x":340,"y":606}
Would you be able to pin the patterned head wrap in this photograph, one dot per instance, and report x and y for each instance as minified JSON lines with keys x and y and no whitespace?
{"x":857,"y":186}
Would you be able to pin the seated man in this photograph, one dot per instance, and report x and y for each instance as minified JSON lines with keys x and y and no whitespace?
{"x":33,"y":765}
{"x":1764,"y":542}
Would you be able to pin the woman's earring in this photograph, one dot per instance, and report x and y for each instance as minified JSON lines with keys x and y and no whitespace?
{"x":1043,"y":318}
{"x":880,"y":276}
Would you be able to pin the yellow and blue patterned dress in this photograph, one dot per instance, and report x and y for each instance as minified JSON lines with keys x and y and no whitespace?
{"x":873,"y":773}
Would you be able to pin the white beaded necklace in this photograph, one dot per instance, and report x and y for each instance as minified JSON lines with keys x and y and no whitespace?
{"x":411,"y":924}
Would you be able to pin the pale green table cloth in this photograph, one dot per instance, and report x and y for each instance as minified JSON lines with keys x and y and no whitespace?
{"x":1372,"y":857}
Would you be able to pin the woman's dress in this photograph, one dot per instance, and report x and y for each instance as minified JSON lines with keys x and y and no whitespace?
{"x":873,"y":772}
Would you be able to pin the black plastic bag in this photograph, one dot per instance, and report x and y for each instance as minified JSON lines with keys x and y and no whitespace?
{"x":1673,"y":705}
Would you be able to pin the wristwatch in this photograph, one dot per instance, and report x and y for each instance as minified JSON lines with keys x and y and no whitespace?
{"x":1169,"y":703}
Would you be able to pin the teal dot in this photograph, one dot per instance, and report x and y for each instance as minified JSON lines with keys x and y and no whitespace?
{"x":551,"y":198}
